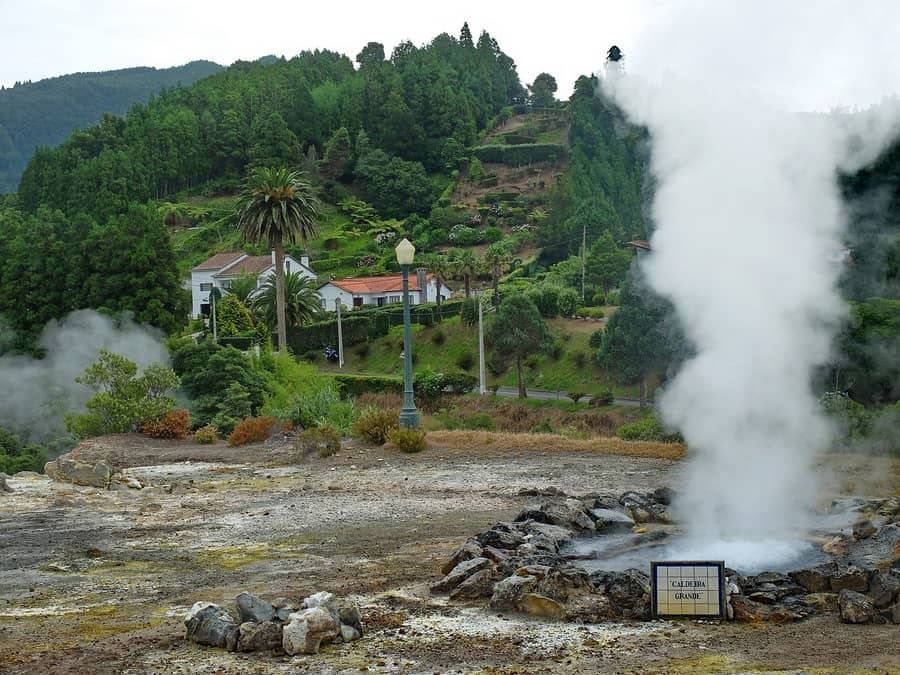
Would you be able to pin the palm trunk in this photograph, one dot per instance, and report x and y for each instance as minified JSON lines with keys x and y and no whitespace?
{"x":496,"y":284}
{"x":279,"y":295}
{"x":468,"y":281}
{"x":522,"y":392}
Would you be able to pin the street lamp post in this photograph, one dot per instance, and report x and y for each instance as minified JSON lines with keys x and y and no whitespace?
{"x":482,"y":388}
{"x":409,"y":416}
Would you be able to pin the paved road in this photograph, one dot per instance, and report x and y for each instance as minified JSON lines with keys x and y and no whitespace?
{"x":543,"y":394}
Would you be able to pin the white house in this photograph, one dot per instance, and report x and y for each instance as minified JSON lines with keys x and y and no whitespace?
{"x":223,"y":268}
{"x":380,"y":291}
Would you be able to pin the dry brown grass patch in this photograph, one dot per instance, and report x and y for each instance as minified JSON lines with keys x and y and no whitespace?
{"x":507,"y":441}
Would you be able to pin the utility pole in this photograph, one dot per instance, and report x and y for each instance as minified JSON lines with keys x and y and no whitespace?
{"x":482,"y":388}
{"x":583,"y":250}
{"x":337,"y":305}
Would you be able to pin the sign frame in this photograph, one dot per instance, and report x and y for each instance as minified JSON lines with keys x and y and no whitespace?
{"x":718,"y":565}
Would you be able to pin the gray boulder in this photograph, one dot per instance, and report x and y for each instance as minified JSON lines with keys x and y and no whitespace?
{"x":471,"y":549}
{"x":608,"y":520}
{"x":66,"y":469}
{"x":209,"y":624}
{"x":4,"y":488}
{"x":554,"y":534}
{"x":564,"y":583}
{"x":863,"y":529}
{"x":283,"y":608}
{"x":855,"y":607}
{"x":569,"y":513}
{"x":816,"y":579}
{"x":884,"y":587}
{"x":254,"y":609}
{"x":459,"y":574}
{"x":509,"y":591}
{"x":260,"y":637}
{"x":479,"y":585}
{"x":349,"y":633}
{"x":851,"y":578}
{"x":628,"y":592}
{"x":307,"y":630}
{"x":501,"y":535}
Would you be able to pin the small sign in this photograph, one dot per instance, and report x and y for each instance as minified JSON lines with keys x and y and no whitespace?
{"x":688,"y":588}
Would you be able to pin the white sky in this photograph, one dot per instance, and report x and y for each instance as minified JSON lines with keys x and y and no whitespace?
{"x":45,"y":38}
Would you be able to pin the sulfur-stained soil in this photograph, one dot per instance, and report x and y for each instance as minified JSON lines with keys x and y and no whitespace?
{"x":95,"y":581}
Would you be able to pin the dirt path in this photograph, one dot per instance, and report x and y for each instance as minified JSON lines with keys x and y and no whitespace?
{"x":96,"y":581}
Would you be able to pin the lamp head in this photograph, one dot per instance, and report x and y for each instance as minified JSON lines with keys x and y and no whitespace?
{"x":405,"y":252}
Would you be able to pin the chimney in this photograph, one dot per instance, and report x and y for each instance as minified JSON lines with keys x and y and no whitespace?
{"x":304,"y":260}
{"x":423,"y":287}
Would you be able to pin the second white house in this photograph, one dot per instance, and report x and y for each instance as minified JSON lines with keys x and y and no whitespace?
{"x":380,"y":291}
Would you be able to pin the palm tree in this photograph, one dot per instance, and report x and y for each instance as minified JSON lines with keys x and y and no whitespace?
{"x":277,"y":205}
{"x":243,"y":287}
{"x":302,"y":302}
{"x":441,"y":267}
{"x":466,"y":265}
{"x":496,"y":259}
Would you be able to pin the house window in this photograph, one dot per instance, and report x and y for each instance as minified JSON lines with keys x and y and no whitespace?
{"x":226,"y":285}
{"x":205,"y":288}
{"x":395,"y":298}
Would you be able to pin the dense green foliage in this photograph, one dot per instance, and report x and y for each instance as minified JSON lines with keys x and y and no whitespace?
{"x":44,"y":113}
{"x":123,"y":400}
{"x":54,"y":264}
{"x":15,"y":456}
{"x":869,"y":352}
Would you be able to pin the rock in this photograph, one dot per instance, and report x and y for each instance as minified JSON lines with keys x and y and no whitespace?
{"x":628,"y":591}
{"x":479,"y":585}
{"x":349,"y":633}
{"x":539,"y":605}
{"x":837,"y":545}
{"x":209,"y":624}
{"x":816,"y":579}
{"x":891,"y":507}
{"x":850,"y":578}
{"x":855,"y":607}
{"x":283,"y":608}
{"x":746,"y":610}
{"x":590,"y":608}
{"x":260,"y":637}
{"x":51,"y":468}
{"x":495,"y":554}
{"x":501,"y":535}
{"x":509,"y":591}
{"x":536,"y":571}
{"x":4,"y":488}
{"x":320,"y":599}
{"x":863,"y":529}
{"x":556,"y":535}
{"x":663,"y":495}
{"x":564,"y":582}
{"x":660,"y":514}
{"x":639,"y":514}
{"x":822,"y":602}
{"x":894,"y":614}
{"x":569,"y":513}
{"x":884,"y":587}
{"x":254,"y":609}
{"x":307,"y":630}
{"x":349,"y":615}
{"x":471,"y":549}
{"x":459,"y":574}
{"x":607,"y":520}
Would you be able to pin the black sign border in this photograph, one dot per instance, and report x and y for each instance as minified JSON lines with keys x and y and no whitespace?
{"x":720,"y":564}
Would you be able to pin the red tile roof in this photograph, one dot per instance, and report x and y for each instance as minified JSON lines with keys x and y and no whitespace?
{"x":255,"y":264}
{"x":378,"y":284}
{"x":218,"y":261}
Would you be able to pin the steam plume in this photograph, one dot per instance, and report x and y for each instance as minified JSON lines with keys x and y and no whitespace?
{"x":748,"y":215}
{"x":38,"y":393}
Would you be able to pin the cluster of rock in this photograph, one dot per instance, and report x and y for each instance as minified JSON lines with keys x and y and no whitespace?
{"x":522,"y":565}
{"x":527,"y":566}
{"x":251,"y":624}
{"x":99,"y":474}
{"x":4,"y":488}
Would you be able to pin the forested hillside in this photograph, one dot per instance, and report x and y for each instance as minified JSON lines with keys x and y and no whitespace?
{"x":44,"y":113}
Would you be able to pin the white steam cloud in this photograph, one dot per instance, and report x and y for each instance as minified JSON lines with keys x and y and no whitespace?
{"x":37,"y":393}
{"x":748,"y":216}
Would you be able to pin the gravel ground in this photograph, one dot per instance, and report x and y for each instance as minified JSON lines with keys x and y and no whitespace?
{"x":98,"y":581}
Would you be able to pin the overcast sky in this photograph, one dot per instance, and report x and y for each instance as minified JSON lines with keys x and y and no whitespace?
{"x":813,"y":55}
{"x":45,"y":38}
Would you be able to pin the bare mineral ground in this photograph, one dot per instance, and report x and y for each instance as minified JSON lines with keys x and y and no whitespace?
{"x":95,"y":581}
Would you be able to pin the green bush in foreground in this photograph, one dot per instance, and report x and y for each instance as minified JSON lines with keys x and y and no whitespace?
{"x":408,"y":440}
{"x":324,"y":441}
{"x":375,"y":425}
{"x":647,"y":429}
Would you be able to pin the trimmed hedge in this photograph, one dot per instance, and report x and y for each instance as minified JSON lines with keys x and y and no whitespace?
{"x":356,"y":385}
{"x":518,"y":155}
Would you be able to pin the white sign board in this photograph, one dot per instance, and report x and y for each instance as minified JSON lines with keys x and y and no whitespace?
{"x":688,"y":588}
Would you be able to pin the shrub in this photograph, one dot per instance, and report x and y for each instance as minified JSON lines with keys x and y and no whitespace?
{"x":357,"y":385}
{"x":579,"y":358}
{"x":479,"y":422}
{"x":612,"y":298}
{"x":602,"y":398}
{"x":542,"y":427}
{"x":428,"y":387}
{"x":342,"y":415}
{"x":589,"y":313}
{"x":647,"y":429}
{"x":206,"y":435}
{"x":465,"y":360}
{"x":497,"y":363}
{"x":324,"y":441}
{"x":251,"y":430}
{"x":408,"y":440}
{"x":375,"y":425}
{"x":596,"y":339}
{"x":469,"y":312}
{"x":438,"y":337}
{"x":493,"y":234}
{"x":362,"y":349}
{"x":175,"y":424}
{"x":569,"y":302}
{"x":576,"y":395}
{"x":459,"y":383}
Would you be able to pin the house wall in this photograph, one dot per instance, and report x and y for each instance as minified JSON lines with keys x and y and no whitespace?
{"x":330,"y":292}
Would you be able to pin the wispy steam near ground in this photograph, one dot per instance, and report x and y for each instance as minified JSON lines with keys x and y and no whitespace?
{"x":37,"y":393}
{"x":747,"y":216}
